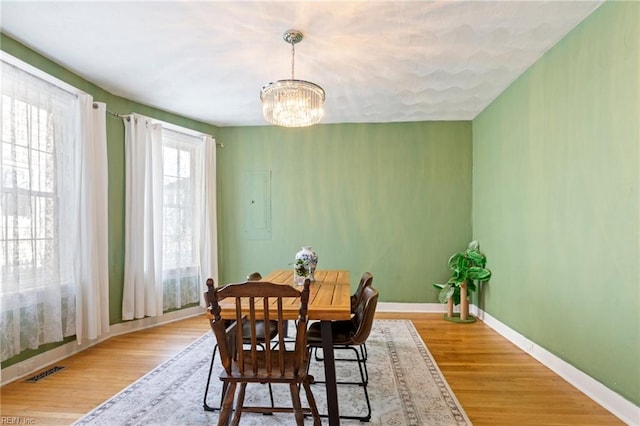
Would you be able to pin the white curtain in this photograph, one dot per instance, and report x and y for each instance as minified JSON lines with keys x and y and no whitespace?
{"x":209,"y":241}
{"x":188,"y":211}
{"x":142,"y":294}
{"x":170,"y":224}
{"x":92,"y":265}
{"x":44,"y":200}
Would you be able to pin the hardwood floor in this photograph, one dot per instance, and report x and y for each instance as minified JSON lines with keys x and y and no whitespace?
{"x":496,"y":383}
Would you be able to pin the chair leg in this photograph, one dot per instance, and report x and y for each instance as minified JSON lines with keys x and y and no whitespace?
{"x":315,"y":353}
{"x":312,"y":402}
{"x":227,"y":405}
{"x":239,"y":404}
{"x":362,"y":362}
{"x":362,"y":366}
{"x":271,"y":395}
{"x":206,"y":406}
{"x":363,"y":351}
{"x":366,"y":397}
{"x":297,"y":405}
{"x":309,"y":352}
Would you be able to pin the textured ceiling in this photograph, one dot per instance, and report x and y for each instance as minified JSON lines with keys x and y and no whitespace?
{"x":379,"y":61}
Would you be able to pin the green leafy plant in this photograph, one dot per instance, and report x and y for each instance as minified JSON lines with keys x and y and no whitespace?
{"x":467,"y":266}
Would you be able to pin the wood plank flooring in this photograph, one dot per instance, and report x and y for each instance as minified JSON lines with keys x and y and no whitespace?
{"x":496,"y":383}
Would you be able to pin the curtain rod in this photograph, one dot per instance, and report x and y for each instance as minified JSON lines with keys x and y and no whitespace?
{"x":115,"y":114}
{"x":128,"y":117}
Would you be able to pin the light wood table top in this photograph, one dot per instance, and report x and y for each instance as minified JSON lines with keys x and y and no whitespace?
{"x":329,"y":296}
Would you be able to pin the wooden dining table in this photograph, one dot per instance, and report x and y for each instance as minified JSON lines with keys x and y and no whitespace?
{"x":329,"y":299}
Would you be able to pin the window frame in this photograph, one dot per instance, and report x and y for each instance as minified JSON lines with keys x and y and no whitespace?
{"x":16,"y":296}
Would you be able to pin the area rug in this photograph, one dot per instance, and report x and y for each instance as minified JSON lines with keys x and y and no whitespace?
{"x":406,"y":387}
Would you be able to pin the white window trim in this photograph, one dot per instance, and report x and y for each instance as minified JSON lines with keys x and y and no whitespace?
{"x":39,"y":73}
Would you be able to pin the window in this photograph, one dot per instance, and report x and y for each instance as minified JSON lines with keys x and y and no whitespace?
{"x":182,"y":156}
{"x":28,"y":235}
{"x":35,"y":269}
{"x":46,"y":175}
{"x":170,"y":231}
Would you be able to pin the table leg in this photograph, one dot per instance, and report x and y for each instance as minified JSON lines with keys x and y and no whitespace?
{"x":330,"y":372}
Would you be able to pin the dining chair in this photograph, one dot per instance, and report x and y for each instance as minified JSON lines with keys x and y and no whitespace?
{"x":351,"y":335}
{"x":365,"y":281}
{"x":264,"y":336}
{"x":255,"y":302}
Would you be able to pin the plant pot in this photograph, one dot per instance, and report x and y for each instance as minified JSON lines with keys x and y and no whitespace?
{"x":456,"y":318}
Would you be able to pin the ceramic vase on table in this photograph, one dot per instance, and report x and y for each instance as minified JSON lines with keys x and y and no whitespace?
{"x":309,"y":259}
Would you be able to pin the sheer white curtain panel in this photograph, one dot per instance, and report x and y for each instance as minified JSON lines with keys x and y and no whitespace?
{"x":42,"y":198}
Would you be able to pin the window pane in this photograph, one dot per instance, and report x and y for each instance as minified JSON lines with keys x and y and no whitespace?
{"x":184,"y":164}
{"x":28,"y":234}
{"x":170,"y":161}
{"x":178,"y":215}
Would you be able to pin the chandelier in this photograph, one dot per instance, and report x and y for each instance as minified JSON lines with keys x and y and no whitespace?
{"x":292,"y":103}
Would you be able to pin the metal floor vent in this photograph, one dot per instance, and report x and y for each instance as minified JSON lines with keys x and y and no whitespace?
{"x":44,"y":374}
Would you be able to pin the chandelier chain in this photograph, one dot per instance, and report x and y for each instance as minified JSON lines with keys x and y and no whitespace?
{"x":293,"y":54}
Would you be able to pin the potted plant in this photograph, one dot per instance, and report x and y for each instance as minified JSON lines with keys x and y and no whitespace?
{"x":469,"y":269}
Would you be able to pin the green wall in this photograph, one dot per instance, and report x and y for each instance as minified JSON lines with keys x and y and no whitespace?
{"x":393,"y":199}
{"x":556,"y":186}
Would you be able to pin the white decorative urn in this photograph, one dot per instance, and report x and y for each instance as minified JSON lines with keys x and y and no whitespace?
{"x":305,"y":265}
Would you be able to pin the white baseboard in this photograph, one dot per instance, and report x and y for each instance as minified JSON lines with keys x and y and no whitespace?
{"x":30,"y":366}
{"x":411,"y":307}
{"x":620,"y":407}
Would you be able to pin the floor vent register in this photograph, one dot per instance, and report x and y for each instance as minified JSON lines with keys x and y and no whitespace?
{"x":44,"y":374}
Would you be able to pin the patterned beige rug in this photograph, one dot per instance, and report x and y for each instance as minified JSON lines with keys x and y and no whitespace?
{"x":405,"y":388}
